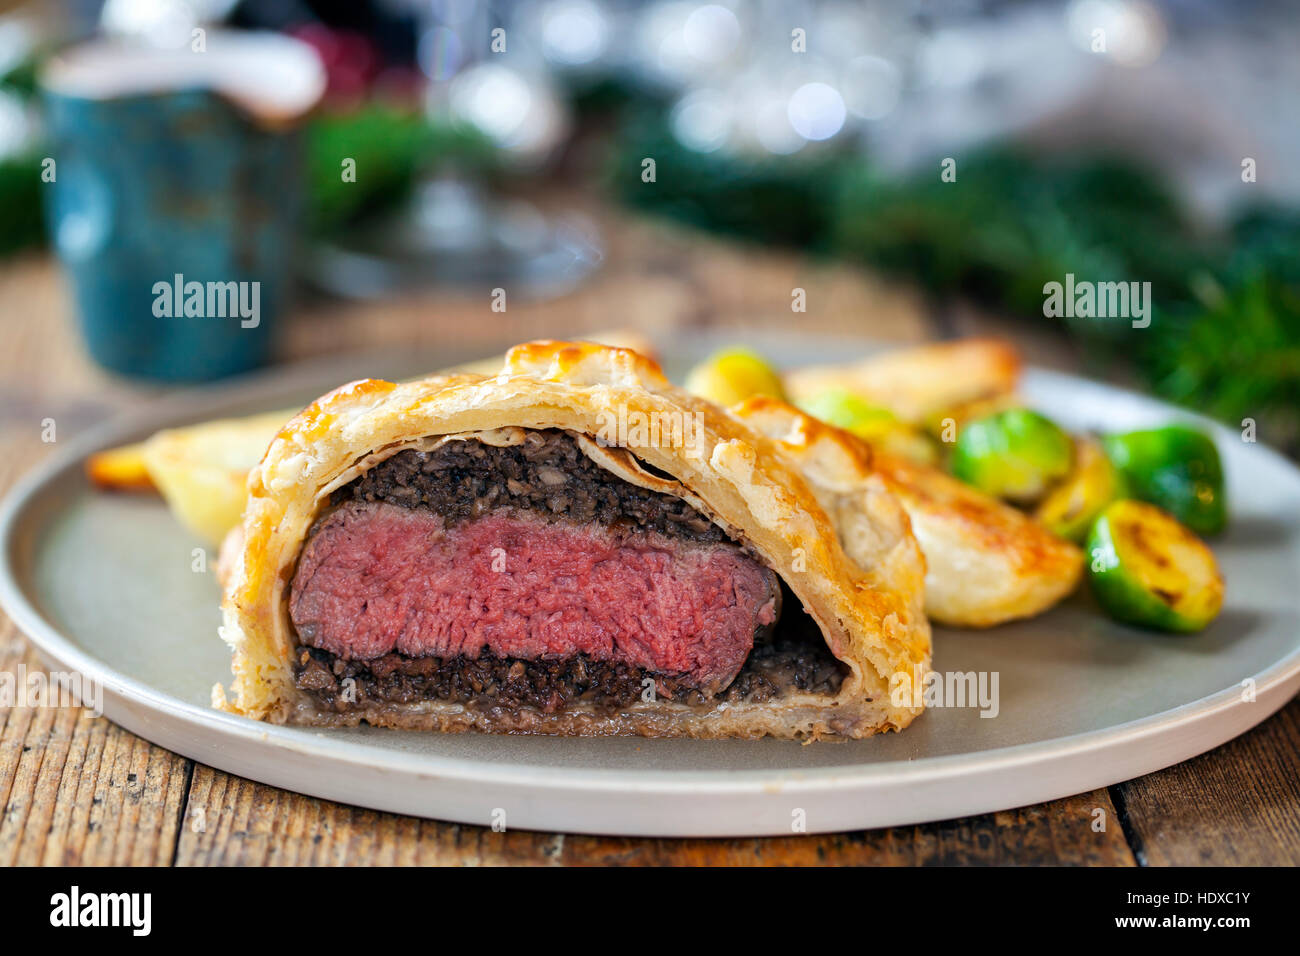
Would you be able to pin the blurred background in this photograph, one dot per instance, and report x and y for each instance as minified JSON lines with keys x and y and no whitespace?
{"x":463,"y":174}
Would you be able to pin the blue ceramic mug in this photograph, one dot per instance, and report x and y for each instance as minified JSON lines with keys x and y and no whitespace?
{"x":176,"y":196}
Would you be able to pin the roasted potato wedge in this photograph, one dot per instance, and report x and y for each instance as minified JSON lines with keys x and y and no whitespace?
{"x":918,"y":384}
{"x":120,"y":469}
{"x":986,"y":562}
{"x":202,"y":470}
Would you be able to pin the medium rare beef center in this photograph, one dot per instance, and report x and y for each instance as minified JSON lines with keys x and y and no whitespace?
{"x":513,"y":561}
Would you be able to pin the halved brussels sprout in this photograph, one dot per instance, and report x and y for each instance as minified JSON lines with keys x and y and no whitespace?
{"x":1071,"y":506}
{"x":1147,"y":569}
{"x":1016,"y":454}
{"x":733,"y":375}
{"x":1177,"y":468}
{"x":872,"y":423}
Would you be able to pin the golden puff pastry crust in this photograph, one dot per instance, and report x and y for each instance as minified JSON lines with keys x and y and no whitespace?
{"x":832,"y":532}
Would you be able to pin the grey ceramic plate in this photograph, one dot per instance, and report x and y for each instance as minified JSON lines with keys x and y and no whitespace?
{"x":103,"y":585}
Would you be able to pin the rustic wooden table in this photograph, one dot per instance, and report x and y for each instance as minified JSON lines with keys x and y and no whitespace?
{"x":80,"y":790}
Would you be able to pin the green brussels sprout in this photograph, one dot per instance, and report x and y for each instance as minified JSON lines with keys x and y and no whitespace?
{"x":1176,"y":468}
{"x":1071,"y":507}
{"x":1015,"y":454}
{"x":733,"y":375}
{"x":853,"y":413}
{"x":872,"y":423}
{"x":1147,"y":569}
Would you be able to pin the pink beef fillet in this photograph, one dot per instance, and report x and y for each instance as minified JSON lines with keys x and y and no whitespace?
{"x":376,"y":578}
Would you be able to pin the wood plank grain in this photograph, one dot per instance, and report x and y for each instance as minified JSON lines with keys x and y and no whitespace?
{"x":77,"y":789}
{"x":1238,"y":805}
{"x":232,"y":821}
{"x":1056,"y":833}
{"x":74,"y":789}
